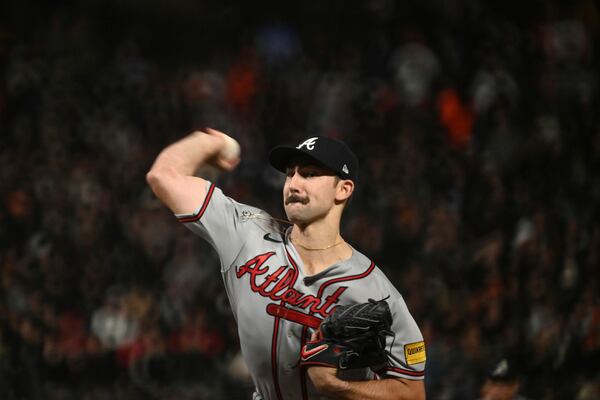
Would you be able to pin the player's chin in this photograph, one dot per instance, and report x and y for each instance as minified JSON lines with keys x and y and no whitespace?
{"x":292,"y":216}
{"x":295,"y":212}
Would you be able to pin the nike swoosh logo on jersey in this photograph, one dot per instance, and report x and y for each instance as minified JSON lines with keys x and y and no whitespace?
{"x":306,"y":354}
{"x":270,"y":239}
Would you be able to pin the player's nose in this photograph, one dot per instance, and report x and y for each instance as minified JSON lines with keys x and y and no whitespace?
{"x":294,"y":179}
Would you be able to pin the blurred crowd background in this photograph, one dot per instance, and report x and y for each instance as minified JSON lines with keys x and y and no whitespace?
{"x":478,"y":130}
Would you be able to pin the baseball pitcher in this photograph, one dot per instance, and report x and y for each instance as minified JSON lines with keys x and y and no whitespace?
{"x":316,"y":318}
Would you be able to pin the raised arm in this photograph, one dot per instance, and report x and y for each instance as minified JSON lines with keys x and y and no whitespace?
{"x":172,"y":175}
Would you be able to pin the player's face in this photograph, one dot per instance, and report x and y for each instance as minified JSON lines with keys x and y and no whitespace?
{"x":309,"y":192}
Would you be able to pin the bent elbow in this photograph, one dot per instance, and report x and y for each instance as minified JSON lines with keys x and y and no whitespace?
{"x":158,"y":177}
{"x":152,"y":177}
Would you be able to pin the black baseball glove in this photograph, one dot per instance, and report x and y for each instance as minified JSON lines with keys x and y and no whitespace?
{"x":352,"y":336}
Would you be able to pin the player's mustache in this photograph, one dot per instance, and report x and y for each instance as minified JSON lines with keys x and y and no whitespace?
{"x":294,"y":198}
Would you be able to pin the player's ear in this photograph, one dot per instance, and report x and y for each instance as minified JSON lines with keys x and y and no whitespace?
{"x":345,"y":188}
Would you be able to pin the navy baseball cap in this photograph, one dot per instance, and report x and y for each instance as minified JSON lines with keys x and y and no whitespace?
{"x":331,"y":153}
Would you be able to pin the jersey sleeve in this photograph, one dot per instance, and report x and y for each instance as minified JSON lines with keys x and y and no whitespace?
{"x":217,"y":221}
{"x":407,"y":355}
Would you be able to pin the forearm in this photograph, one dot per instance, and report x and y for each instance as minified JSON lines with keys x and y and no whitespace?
{"x":172,"y":177}
{"x":384,"y":389}
{"x":185,"y":156}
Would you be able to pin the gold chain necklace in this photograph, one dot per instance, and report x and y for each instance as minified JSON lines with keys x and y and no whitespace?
{"x":317,"y":248}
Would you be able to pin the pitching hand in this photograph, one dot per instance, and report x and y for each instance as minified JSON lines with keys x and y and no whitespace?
{"x":228,"y":155}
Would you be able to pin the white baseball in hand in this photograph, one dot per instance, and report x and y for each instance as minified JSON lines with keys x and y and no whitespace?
{"x":231,"y":149}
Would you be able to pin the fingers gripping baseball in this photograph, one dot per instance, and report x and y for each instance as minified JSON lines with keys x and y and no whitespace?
{"x":227,"y":156}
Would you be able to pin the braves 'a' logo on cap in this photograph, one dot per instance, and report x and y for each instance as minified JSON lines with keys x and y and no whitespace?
{"x":309,"y":143}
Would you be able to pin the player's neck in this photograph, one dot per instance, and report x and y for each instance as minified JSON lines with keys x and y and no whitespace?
{"x":315,"y":261}
{"x":319,"y":247}
{"x":316,"y":235}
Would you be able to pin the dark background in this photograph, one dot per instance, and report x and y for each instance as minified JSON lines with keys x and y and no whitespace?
{"x":478,"y":134}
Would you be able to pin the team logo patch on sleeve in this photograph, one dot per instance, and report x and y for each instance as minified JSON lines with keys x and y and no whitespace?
{"x":414,"y":353}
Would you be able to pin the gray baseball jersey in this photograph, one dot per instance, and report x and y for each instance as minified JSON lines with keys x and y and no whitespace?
{"x":275,"y":304}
